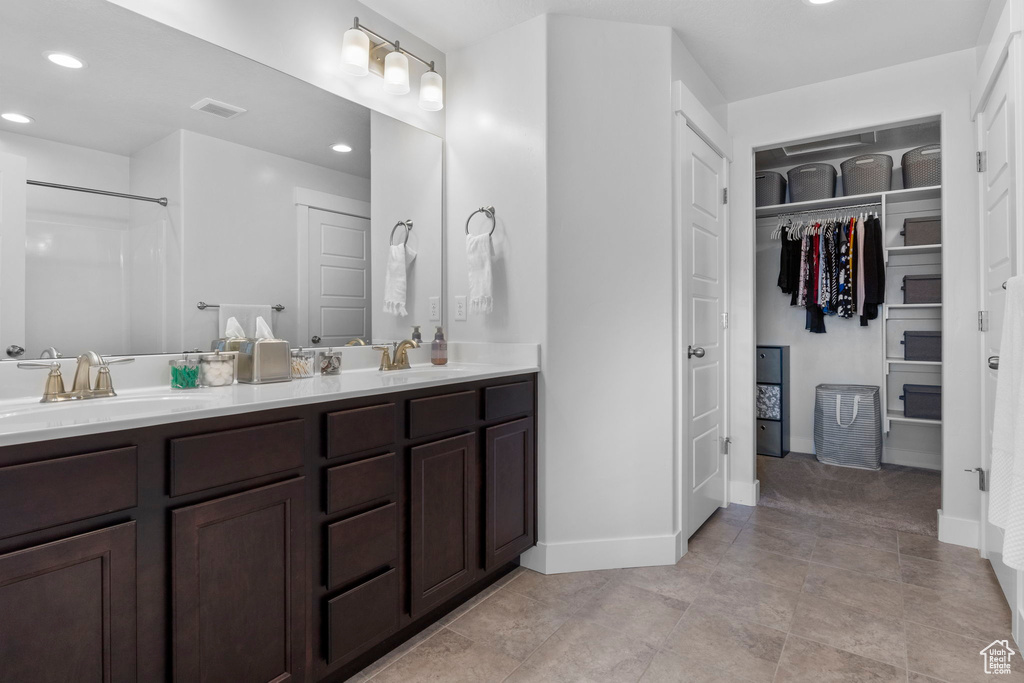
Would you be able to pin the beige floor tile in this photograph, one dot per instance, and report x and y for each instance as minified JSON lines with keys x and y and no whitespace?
{"x":450,"y":657}
{"x":671,"y":668}
{"x":955,"y":612}
{"x":857,"y":590}
{"x":738,"y":512}
{"x":720,"y":529}
{"x":584,"y":651}
{"x":933,"y":549}
{"x":749,"y":600}
{"x":511,"y":623}
{"x":943,"y":576}
{"x":708,"y":550}
{"x":733,"y":646}
{"x":681,"y":582}
{"x":400,"y":651}
{"x":857,"y":558}
{"x":780,"y":519}
{"x":573,"y":590}
{"x":783,"y":541}
{"x":804,"y":661}
{"x":950,"y":657}
{"x":913,"y":677}
{"x":636,"y":612}
{"x":858,"y":534}
{"x":850,"y":629}
{"x":761,"y":565}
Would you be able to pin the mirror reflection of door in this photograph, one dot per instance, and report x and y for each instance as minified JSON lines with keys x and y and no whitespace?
{"x":12,"y":252}
{"x":339,"y":278}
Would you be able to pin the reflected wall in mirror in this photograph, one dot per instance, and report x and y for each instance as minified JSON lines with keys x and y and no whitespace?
{"x":261,"y":209}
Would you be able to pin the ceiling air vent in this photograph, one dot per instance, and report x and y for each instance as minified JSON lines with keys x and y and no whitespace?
{"x":220,"y":109}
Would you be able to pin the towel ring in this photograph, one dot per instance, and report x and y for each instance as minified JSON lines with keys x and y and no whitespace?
{"x":408,"y":228}
{"x":489,"y":210}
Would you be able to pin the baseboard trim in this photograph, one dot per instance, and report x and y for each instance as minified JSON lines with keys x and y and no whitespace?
{"x":958,"y":530}
{"x":745,"y":492}
{"x":611,"y":553}
{"x":919,"y":459}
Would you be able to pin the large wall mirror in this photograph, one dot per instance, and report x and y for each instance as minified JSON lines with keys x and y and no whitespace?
{"x":280,"y":204}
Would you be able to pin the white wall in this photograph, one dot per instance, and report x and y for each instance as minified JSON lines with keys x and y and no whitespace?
{"x":406,"y":169}
{"x":302,"y":38}
{"x":686,"y":69}
{"x":937,"y":86}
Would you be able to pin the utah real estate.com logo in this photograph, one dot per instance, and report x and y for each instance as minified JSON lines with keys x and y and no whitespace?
{"x":997,"y":657}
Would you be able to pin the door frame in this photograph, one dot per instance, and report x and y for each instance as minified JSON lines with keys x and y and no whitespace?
{"x":306,"y":199}
{"x":689,"y":112}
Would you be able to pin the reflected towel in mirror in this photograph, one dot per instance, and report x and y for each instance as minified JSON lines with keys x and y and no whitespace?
{"x":400,"y":257}
{"x":478,"y":253}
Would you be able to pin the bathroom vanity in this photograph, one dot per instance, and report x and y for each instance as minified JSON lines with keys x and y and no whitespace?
{"x":244,"y":543}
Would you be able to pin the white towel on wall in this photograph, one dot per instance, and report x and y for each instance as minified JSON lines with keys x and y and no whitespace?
{"x":396,"y":276}
{"x":245,"y":314}
{"x":478,"y":253}
{"x":1006,"y":491}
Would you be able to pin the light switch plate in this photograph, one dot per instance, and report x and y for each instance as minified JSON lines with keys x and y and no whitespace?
{"x":435,"y":308}
{"x":460,"y":308}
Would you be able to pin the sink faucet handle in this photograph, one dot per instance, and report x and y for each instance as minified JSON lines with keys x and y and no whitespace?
{"x":118,"y":361}
{"x":39,"y":365}
{"x":54,"y":381}
{"x":385,"y":357}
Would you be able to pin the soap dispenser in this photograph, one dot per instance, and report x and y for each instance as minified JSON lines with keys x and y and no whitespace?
{"x":416,"y":335}
{"x":439,"y":349}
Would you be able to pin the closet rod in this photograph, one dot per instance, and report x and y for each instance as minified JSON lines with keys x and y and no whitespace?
{"x":834,"y":209}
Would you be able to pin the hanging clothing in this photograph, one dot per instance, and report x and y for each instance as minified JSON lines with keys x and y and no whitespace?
{"x":874,"y":270}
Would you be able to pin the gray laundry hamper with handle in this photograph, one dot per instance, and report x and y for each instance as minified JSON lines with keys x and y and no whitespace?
{"x":848,"y":425}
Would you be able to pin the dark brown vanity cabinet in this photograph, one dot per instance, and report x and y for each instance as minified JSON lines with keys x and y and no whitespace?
{"x":509,"y":492}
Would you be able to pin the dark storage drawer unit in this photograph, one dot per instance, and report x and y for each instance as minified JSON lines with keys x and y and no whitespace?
{"x":919,"y":231}
{"x":922,"y":346}
{"x":773,"y":400}
{"x":922,"y":289}
{"x":922,"y":401}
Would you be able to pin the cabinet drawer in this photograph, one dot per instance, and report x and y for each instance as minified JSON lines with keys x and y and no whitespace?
{"x":769,"y":365}
{"x":442,"y":413}
{"x":360,"y":544}
{"x":361,"y":617}
{"x":354,"y":431}
{"x":209,"y":460}
{"x":46,"y":494}
{"x":361,"y":482}
{"x":507,"y":400}
{"x":769,"y":437}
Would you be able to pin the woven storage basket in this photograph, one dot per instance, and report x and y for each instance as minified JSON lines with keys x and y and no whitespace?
{"x":770,"y":188}
{"x":922,"y":167}
{"x":866,"y":174}
{"x":848,"y":425}
{"x":812,"y":181}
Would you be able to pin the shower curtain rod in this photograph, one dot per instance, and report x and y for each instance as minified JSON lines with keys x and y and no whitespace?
{"x":162,"y":201}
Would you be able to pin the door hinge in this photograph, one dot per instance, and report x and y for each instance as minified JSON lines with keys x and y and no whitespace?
{"x":726,"y":440}
{"x":982,"y":321}
{"x":981,"y":161}
{"x":725,"y":321}
{"x":982,"y":483}
{"x":725,"y":195}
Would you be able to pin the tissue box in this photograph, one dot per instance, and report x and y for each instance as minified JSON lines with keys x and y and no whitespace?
{"x":261,"y":361}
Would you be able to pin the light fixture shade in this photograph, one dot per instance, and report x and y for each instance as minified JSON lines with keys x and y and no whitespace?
{"x":396,"y":73}
{"x":355,"y":53}
{"x":431,"y":91}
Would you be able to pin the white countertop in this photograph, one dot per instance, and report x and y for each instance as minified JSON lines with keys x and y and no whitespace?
{"x":26,"y":420}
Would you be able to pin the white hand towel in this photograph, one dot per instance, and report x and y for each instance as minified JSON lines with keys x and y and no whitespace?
{"x":245,"y":314}
{"x":400,"y":257}
{"x":478,"y":253}
{"x":1006,"y":492}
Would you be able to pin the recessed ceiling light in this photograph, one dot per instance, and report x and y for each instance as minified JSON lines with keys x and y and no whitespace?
{"x":341,"y":147}
{"x":14,"y":117}
{"x":817,"y":2}
{"x":65,"y":60}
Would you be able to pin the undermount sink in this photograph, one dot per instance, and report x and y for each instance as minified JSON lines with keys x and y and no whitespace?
{"x":100,"y":409}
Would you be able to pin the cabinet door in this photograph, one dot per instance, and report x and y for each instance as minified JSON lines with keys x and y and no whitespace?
{"x":239,"y":587}
{"x":508,"y":492}
{"x":442,"y":520}
{"x":67,"y":610}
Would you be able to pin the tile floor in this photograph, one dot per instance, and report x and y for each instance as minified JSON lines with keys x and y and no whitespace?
{"x":762,"y":595}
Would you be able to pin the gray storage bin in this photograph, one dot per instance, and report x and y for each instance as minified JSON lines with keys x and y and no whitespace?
{"x":923,"y":346}
{"x":769,"y":438}
{"x":848,"y":425}
{"x":922,"y":401}
{"x":812,"y":181}
{"x":769,"y":188}
{"x":922,"y":167}
{"x":924,"y":230}
{"x":866,"y":174}
{"x":922,"y":289}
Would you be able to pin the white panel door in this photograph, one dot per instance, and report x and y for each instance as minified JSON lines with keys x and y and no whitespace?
{"x":12,"y":253}
{"x":704,"y":302}
{"x":339,"y":278}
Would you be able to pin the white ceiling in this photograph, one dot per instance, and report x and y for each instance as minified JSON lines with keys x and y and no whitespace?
{"x":747,"y":47}
{"x":143,"y":77}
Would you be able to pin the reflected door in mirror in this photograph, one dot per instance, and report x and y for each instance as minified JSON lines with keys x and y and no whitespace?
{"x":12,"y":251}
{"x":339,"y":283}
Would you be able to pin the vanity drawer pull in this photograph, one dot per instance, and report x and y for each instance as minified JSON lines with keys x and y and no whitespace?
{"x":445,"y":413}
{"x":361,"y":482}
{"x":358,"y":545}
{"x":360,"y":429}
{"x":507,"y":400}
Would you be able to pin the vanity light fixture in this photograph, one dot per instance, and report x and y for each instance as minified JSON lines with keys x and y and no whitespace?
{"x":341,"y":147}
{"x":356,"y":51}
{"x":65,"y":60}
{"x":15,"y":117}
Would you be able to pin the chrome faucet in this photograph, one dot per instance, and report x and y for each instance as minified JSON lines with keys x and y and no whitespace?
{"x":51,"y":352}
{"x":81,"y":387}
{"x":400,"y":360}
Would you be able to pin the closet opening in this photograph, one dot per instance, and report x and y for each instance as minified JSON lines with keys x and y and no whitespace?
{"x":849,"y":327}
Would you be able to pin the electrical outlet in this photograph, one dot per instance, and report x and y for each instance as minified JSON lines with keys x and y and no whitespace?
{"x":435,"y":308}
{"x":460,"y":308}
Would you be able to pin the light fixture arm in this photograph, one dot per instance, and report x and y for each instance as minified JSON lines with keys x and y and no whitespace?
{"x":393,"y":44}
